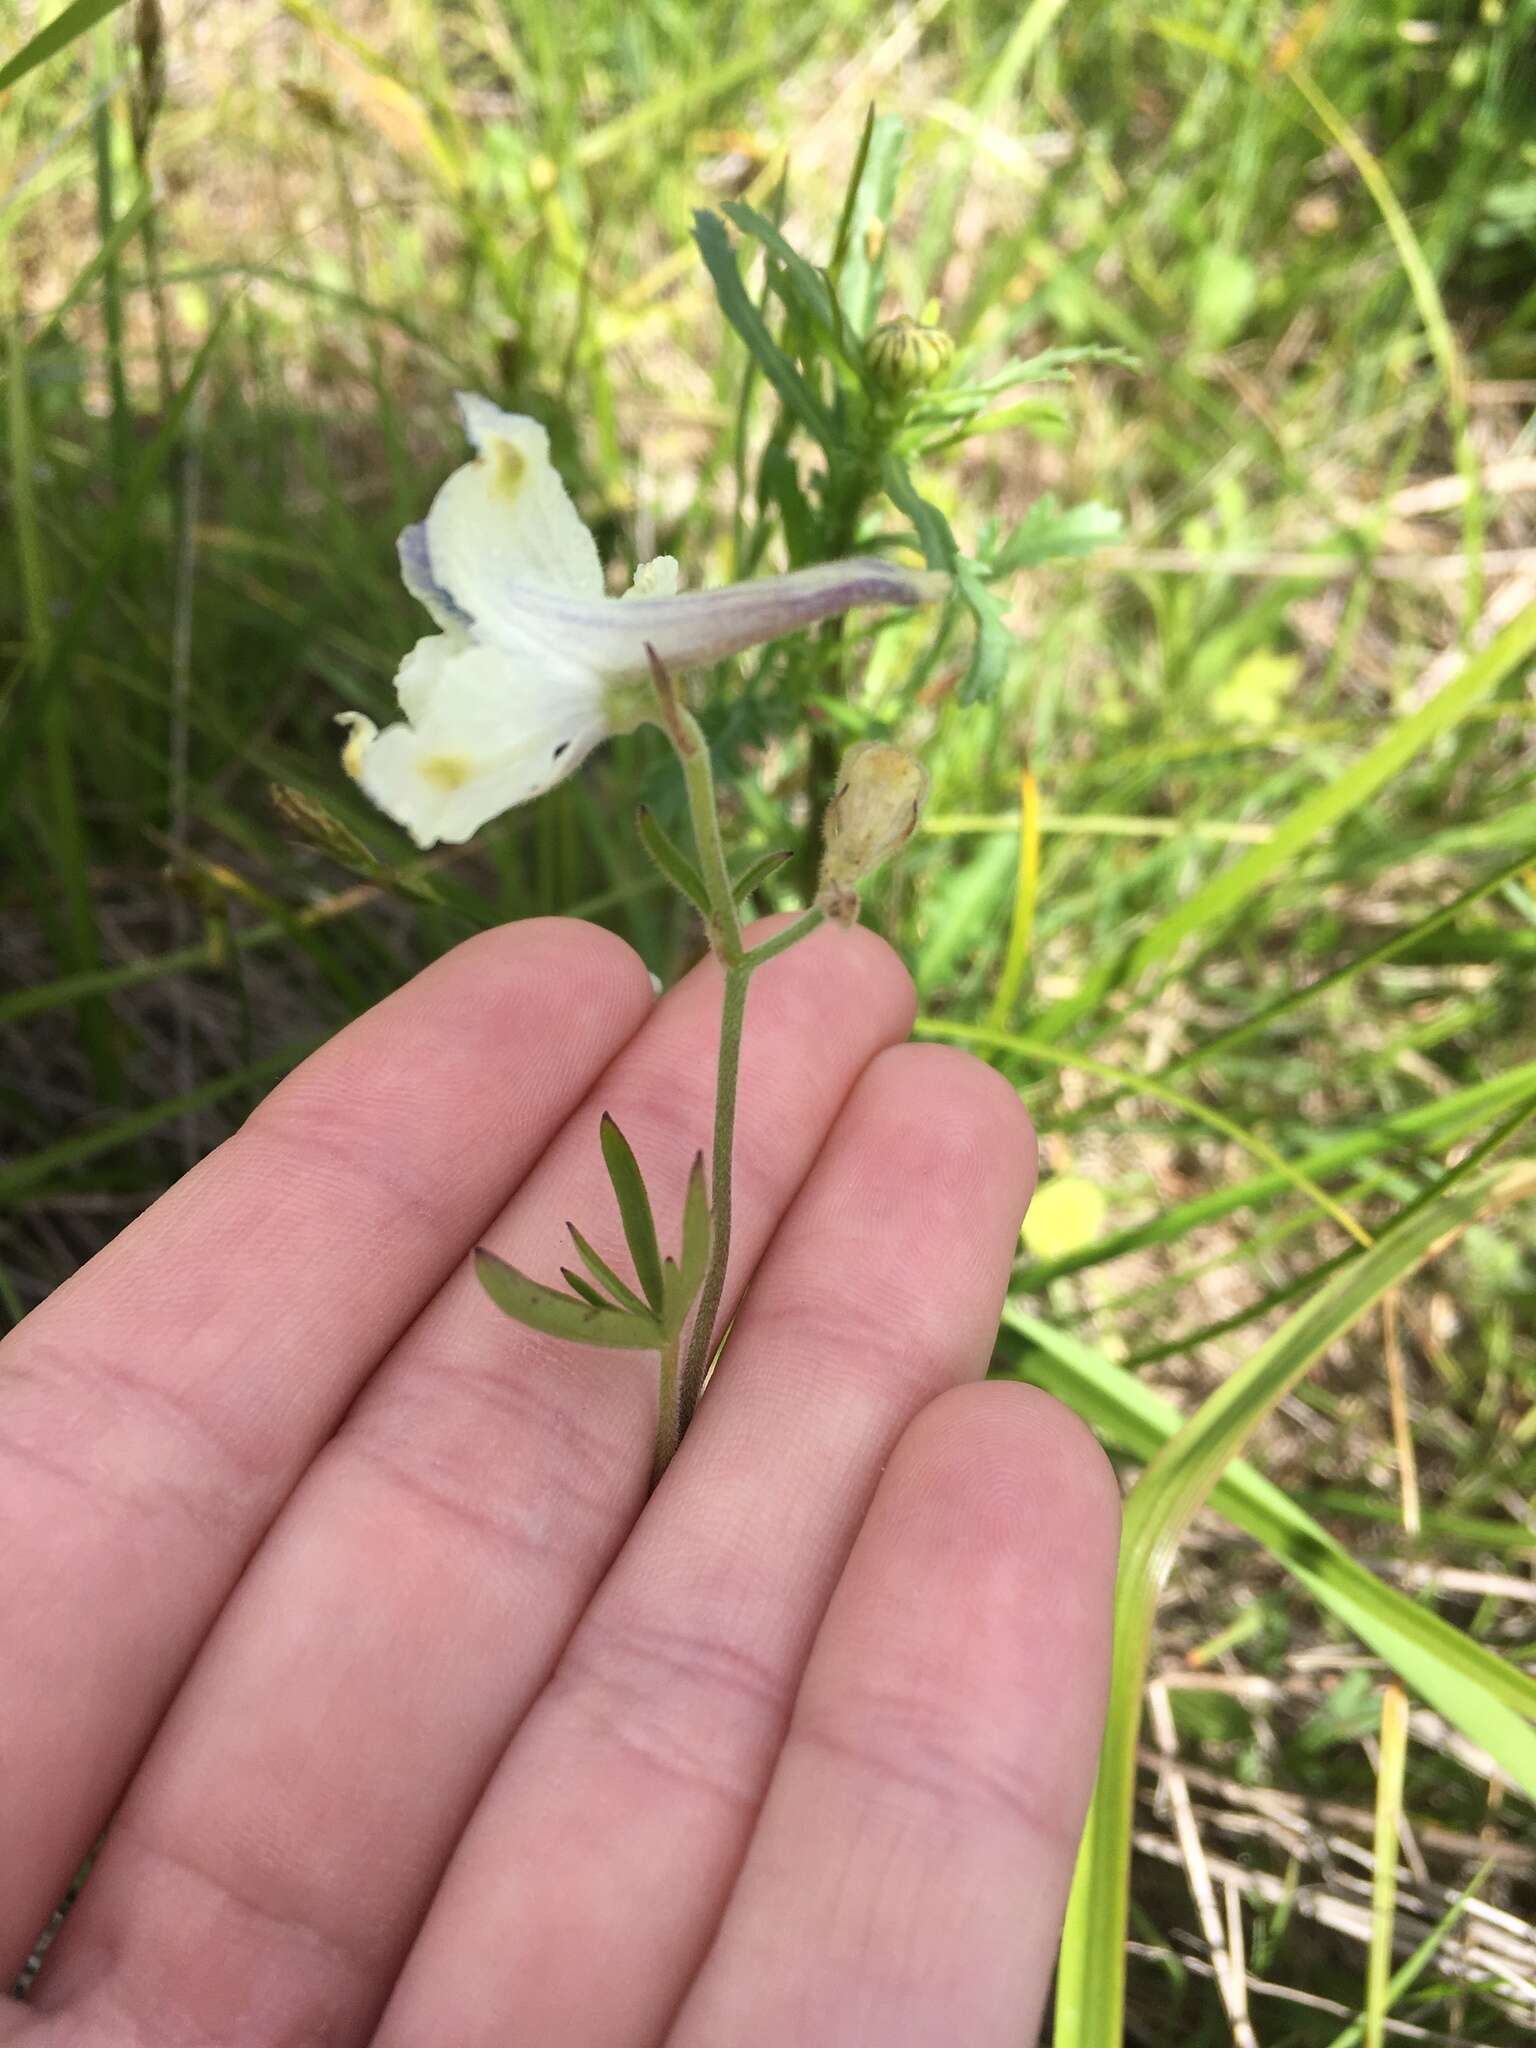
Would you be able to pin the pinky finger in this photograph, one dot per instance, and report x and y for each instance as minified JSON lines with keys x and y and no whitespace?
{"x":909,"y":1872}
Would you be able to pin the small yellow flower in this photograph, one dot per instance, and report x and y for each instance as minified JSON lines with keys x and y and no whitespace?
{"x":1066,"y":1215}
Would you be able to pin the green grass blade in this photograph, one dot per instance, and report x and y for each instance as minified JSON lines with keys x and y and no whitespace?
{"x":1390,"y":1770}
{"x":1026,"y":890}
{"x":1475,"y":1689}
{"x":861,"y":270}
{"x":102,"y":260}
{"x":1446,"y":1115}
{"x":1410,"y":1972}
{"x":117,"y":536}
{"x":1144,"y":1084}
{"x":22,"y":1176}
{"x":851,"y":193}
{"x":70,"y":865}
{"x":54,"y":36}
{"x":1177,"y":1482}
{"x":1209,"y":908}
{"x":1426,"y":294}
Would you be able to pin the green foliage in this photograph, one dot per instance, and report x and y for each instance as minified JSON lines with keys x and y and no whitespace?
{"x":1216,"y":313}
{"x":671,"y":860}
{"x":66,"y":27}
{"x":634,"y":1210}
{"x":576,"y":1317}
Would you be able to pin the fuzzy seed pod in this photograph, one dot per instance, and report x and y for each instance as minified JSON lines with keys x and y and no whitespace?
{"x":873,"y":813}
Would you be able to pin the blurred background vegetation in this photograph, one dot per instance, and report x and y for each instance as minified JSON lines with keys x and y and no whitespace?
{"x":1234,"y":875}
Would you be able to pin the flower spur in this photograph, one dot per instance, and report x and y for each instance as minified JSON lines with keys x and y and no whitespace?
{"x":534,"y":664}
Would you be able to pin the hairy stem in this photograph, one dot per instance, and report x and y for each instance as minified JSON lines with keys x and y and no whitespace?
{"x":792,"y":934}
{"x":701,"y":1342}
{"x":669,"y":1423}
{"x":682,"y":1380}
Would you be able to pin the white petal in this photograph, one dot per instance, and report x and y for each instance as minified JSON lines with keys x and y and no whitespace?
{"x":486,"y":736}
{"x":361,"y":734}
{"x":418,"y":675}
{"x":502,"y":520}
{"x":655,"y":579}
{"x":609,"y":636}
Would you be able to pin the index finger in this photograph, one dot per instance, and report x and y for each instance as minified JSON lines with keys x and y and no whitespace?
{"x":156,"y":1412}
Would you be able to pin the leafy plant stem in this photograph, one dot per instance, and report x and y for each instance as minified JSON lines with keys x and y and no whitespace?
{"x":727,"y":1072}
{"x":739,"y":965}
{"x":704,"y":816}
{"x":668,"y":1413}
{"x":781,"y":942}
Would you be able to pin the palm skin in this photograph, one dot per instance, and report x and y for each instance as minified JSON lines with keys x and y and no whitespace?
{"x":416,"y":1721}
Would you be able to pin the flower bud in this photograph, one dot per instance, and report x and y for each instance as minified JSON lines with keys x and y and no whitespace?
{"x":319,"y":826}
{"x":904,"y":356}
{"x":873,"y":813}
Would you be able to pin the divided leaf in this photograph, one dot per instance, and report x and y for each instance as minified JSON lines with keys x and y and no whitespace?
{"x":697,"y":1231}
{"x":605,"y":1276}
{"x":801,"y":286}
{"x":634,"y":1210}
{"x":54,"y":36}
{"x":584,"y":1288}
{"x":994,"y":643}
{"x":940,"y":548}
{"x":671,"y":859}
{"x":562,"y":1315}
{"x":735,"y":303}
{"x":1048,"y":533}
{"x":756,"y":872}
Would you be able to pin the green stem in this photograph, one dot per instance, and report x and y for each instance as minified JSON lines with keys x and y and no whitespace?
{"x":669,"y":1423}
{"x":682,"y":1385}
{"x":792,"y":934}
{"x":701,"y":1342}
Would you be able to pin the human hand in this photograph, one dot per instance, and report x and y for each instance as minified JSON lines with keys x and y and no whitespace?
{"x":418,"y":1722}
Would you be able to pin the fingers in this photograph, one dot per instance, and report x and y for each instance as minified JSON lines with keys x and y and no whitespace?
{"x":158,"y":1410}
{"x":616,"y":1822}
{"x":282,"y":1841}
{"x":906,"y":1882}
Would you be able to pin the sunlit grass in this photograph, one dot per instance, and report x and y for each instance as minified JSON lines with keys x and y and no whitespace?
{"x":1259,"y":948}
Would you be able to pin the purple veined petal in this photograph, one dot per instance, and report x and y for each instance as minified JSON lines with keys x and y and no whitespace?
{"x":416,"y":575}
{"x":700,"y":625}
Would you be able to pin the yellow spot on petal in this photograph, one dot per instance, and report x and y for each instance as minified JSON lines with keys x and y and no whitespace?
{"x":446,"y":771}
{"x":361,"y":736}
{"x":510,"y":466}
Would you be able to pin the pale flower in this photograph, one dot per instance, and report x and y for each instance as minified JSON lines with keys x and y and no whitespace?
{"x":535,"y":664}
